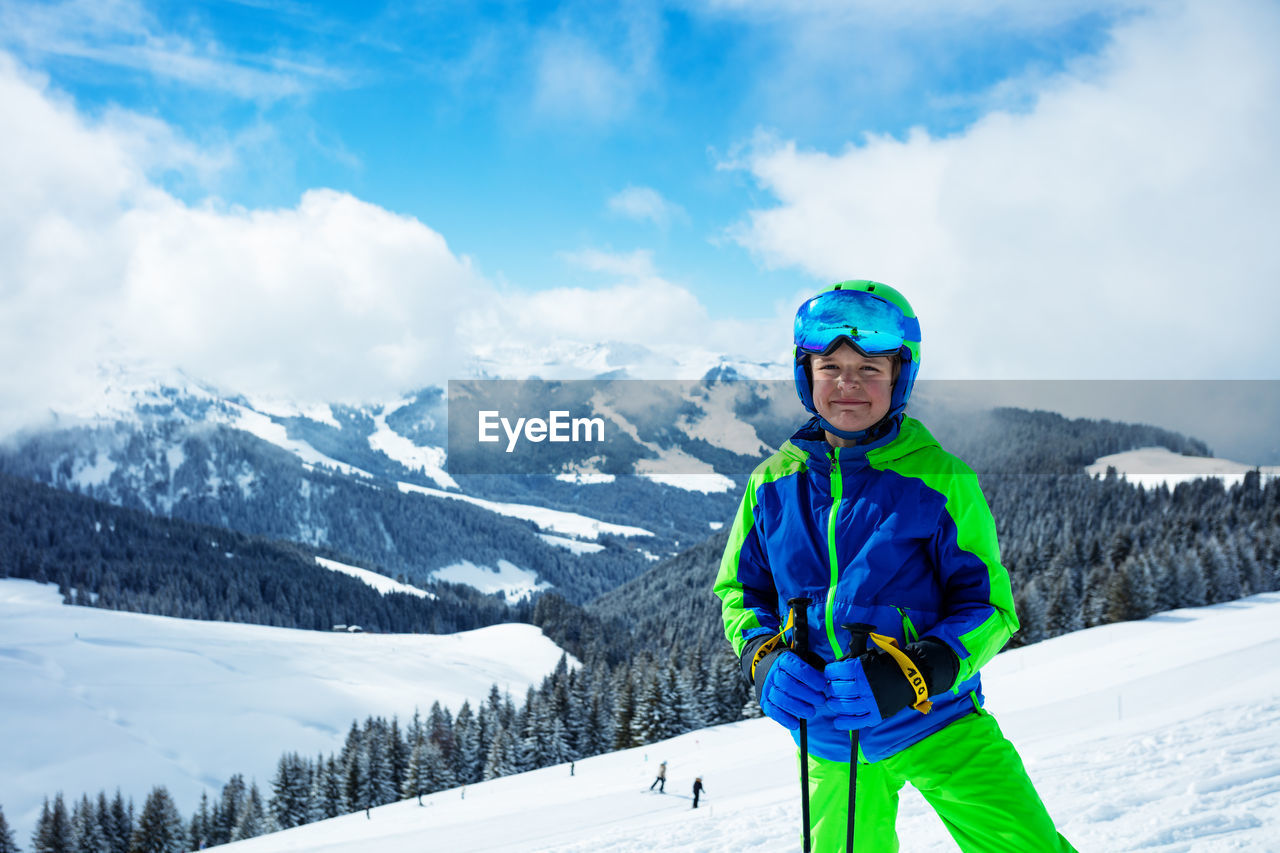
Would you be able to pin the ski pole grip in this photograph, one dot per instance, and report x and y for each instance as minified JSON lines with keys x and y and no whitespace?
{"x":859,"y":632}
{"x":800,"y":629}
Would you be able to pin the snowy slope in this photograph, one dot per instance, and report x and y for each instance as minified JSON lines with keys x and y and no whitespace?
{"x":92,"y":699}
{"x":381,"y":583}
{"x":1160,"y":735}
{"x":1152,"y":466}
{"x":557,"y":521}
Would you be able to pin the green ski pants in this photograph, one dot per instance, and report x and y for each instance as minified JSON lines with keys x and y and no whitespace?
{"x":968,"y":772}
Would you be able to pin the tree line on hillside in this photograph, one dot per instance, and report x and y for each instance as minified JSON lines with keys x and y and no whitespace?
{"x":1080,"y":551}
{"x":1085,"y":552}
{"x":226,"y":478}
{"x":123,"y":559}
{"x":574,"y":713}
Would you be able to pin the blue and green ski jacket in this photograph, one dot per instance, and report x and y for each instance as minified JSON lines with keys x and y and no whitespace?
{"x":896,"y":534}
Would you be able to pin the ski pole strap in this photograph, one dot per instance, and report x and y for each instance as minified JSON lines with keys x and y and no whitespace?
{"x":772,"y":644}
{"x":909,"y":670}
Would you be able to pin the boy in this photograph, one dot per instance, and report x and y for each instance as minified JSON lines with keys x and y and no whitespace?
{"x":875,"y":532}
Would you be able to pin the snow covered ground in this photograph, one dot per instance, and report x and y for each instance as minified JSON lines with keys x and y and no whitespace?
{"x":1160,"y":735}
{"x":550,"y":520}
{"x":93,"y":699}
{"x":1151,"y":466}
{"x":381,"y":583}
{"x":509,"y":579}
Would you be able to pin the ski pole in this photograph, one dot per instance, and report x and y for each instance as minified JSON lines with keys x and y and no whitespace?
{"x":857,"y":645}
{"x":800,"y":644}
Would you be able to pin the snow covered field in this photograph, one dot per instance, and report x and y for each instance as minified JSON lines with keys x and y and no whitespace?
{"x":93,"y":699}
{"x":1160,"y":735}
{"x":1151,"y":466}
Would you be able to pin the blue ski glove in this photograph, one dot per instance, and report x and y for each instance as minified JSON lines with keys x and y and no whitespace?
{"x":788,"y":689}
{"x":849,"y":695}
{"x":864,"y":690}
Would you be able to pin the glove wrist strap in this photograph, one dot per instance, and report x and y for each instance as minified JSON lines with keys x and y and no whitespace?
{"x":775,"y":642}
{"x":910,"y":671}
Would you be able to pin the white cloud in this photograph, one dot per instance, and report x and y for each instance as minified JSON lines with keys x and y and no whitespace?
{"x":575,"y":80}
{"x":596,"y":68}
{"x":646,"y":204}
{"x":1122,"y":226}
{"x":332,"y":299}
{"x":122,"y":33}
{"x":629,"y":265}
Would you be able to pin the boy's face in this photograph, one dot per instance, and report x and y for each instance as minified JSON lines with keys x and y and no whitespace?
{"x":850,"y":390}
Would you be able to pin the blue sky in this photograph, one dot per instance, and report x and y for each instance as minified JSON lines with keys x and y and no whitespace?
{"x":639,"y":172}
{"x":508,"y":127}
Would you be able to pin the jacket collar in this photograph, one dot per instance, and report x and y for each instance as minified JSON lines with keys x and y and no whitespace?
{"x":809,"y":445}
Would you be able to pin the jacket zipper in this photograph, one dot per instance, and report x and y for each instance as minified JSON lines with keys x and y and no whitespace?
{"x":837,"y":492}
{"x":908,"y":629}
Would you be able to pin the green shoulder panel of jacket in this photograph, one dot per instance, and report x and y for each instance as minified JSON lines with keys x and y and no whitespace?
{"x":740,"y":620}
{"x":925,"y":460}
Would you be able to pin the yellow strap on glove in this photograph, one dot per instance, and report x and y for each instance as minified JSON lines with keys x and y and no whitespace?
{"x":909,"y":669}
{"x":771,"y":644}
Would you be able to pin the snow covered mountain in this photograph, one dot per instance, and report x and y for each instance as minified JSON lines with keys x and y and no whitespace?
{"x":1140,"y":736}
{"x":369,"y":482}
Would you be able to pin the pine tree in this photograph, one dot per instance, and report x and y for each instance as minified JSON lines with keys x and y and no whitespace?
{"x":498,"y":761}
{"x":397,"y":753}
{"x":1191,"y":581}
{"x":7,"y":844}
{"x":653,"y":712}
{"x":440,"y":729}
{"x":679,"y":701}
{"x":691,"y":677}
{"x":1063,"y":612}
{"x":437,"y":771}
{"x":381,"y":780}
{"x":349,"y":763}
{"x":159,"y":828}
{"x":415,"y":782}
{"x":362,"y":797}
{"x":624,"y":712}
{"x":86,"y":834}
{"x":199,"y":835}
{"x":577,"y":721}
{"x":53,"y":829}
{"x":469,"y":757}
{"x":253,"y":819}
{"x":1221,"y":572}
{"x":1119,"y":602}
{"x":327,"y":798}
{"x":291,"y":792}
{"x":118,"y":824}
{"x":602,"y":710}
{"x":231,"y":808}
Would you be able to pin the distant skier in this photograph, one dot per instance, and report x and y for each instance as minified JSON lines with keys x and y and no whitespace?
{"x":697,"y":790}
{"x":661,"y":781}
{"x":861,"y":527}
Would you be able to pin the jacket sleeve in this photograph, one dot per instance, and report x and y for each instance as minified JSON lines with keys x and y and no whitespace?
{"x":978,"y":616}
{"x":744,"y":584}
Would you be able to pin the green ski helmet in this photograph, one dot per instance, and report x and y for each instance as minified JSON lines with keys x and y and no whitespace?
{"x":874,"y":319}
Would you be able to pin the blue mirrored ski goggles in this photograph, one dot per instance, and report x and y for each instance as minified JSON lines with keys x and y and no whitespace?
{"x":873,"y":325}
